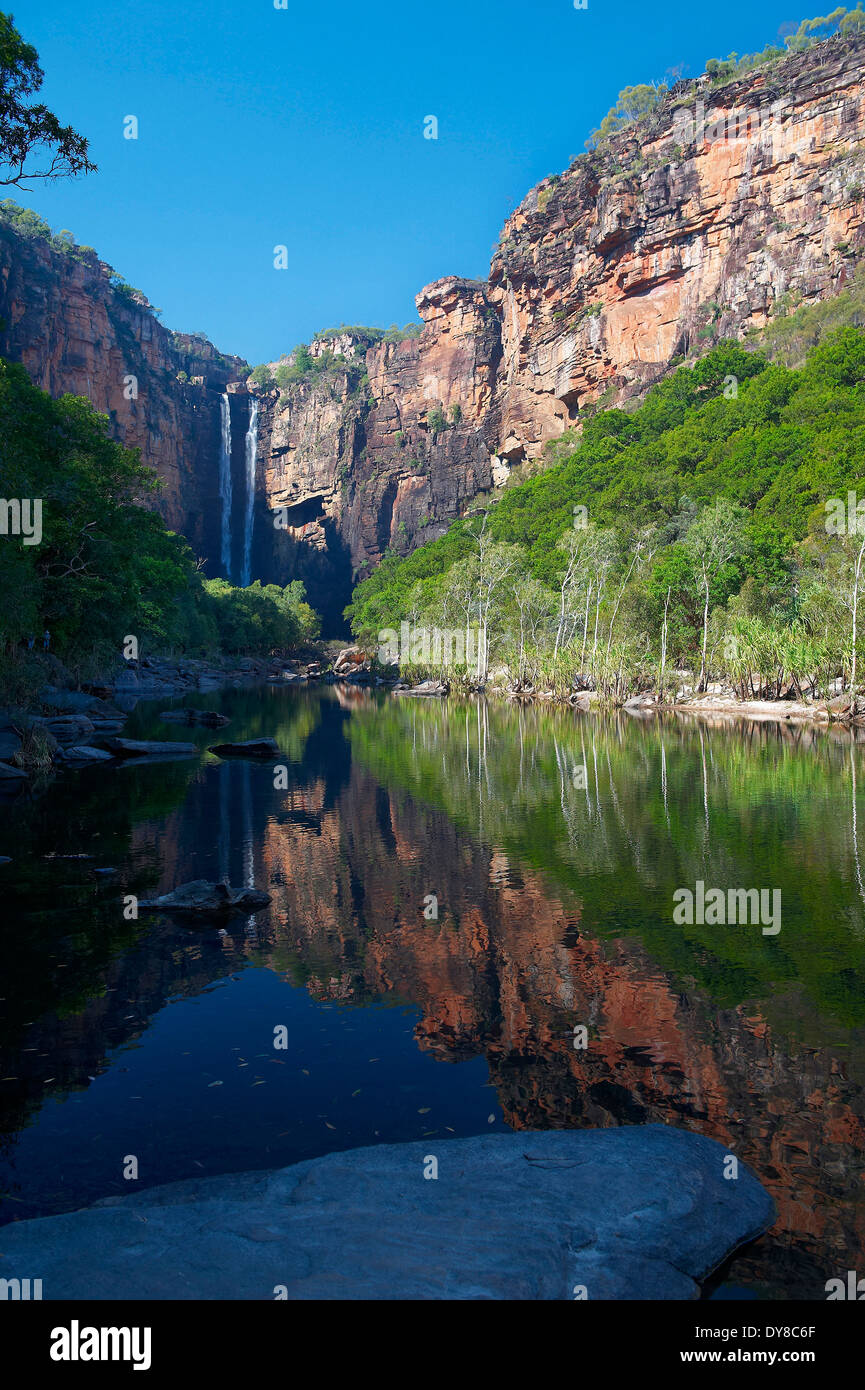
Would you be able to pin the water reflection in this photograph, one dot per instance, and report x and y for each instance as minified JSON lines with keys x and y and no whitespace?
{"x":553,"y":844}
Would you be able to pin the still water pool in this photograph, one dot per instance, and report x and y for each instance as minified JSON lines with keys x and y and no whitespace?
{"x":551,"y":845}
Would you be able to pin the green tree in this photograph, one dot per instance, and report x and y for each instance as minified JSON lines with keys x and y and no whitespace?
{"x":29,"y":130}
{"x":630,"y":106}
{"x":716,"y":538}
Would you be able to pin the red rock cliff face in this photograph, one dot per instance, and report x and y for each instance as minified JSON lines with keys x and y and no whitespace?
{"x":662,"y":241}
{"x":61,"y":318}
{"x":692,"y":228}
{"x":730,"y":199}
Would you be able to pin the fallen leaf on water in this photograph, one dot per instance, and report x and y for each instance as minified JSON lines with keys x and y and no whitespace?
{"x":453,"y":1131}
{"x":304,"y":1070}
{"x":330,"y":1126}
{"x":374,"y":1059}
{"x":259,"y":1083}
{"x":213,"y":1083}
{"x":491,"y":1119}
{"x":356,"y":1093}
{"x":424,"y":1110}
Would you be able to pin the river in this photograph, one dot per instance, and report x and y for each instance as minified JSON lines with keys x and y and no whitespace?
{"x":459,"y":888}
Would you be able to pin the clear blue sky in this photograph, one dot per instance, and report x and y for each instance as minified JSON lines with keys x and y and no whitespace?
{"x":304,"y":126}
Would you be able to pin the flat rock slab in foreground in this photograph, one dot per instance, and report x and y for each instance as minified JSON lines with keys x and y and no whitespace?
{"x":636,"y":1213}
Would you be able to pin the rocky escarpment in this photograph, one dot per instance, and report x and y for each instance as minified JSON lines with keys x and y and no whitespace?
{"x":690,"y":228}
{"x":76,"y":332}
{"x":695,"y":225}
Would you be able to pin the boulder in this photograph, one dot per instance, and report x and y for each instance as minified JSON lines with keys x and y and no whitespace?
{"x":71,"y":701}
{"x":83,"y":753}
{"x":425,"y":688}
{"x":252,"y":748}
{"x":66,"y":728}
{"x":207,"y":899}
{"x":637,"y":1212}
{"x":10,"y":744}
{"x":132,"y":747}
{"x":349,"y":656}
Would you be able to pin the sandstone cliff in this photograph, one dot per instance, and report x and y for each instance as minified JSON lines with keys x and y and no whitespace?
{"x":693,"y":227}
{"x":62,"y":318}
{"x":659,"y":242}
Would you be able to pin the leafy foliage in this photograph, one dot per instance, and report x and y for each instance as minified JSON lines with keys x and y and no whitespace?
{"x":105,"y":565}
{"x":705,"y":504}
{"x":28,"y":129}
{"x":634,"y":104}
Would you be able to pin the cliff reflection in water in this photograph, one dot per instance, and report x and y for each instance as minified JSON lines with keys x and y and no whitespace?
{"x":555,"y":893}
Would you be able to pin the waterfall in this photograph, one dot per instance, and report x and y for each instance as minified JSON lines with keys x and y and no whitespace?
{"x":225,"y":482}
{"x":249,"y":518}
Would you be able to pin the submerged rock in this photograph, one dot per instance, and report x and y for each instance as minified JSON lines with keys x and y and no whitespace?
{"x":209,"y":718}
{"x":207,"y":898}
{"x":642,"y":1212}
{"x":252,"y":748}
{"x":132,"y":747}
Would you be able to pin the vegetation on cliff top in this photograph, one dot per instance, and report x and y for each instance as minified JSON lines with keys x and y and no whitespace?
{"x":691,"y":531}
{"x":636,"y":102}
{"x":301,"y":365}
{"x":28,"y":224}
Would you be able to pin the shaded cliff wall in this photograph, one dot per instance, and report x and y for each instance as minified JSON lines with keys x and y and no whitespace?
{"x":73,"y":332}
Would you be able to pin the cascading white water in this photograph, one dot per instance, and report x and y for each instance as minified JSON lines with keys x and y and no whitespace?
{"x":249,"y":518}
{"x":225,"y":482}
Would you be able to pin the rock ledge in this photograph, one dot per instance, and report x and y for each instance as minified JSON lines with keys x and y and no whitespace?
{"x":641,"y":1212}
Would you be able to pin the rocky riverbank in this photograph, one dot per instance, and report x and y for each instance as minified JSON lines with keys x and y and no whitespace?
{"x":72,"y":727}
{"x":718,"y":701}
{"x":64,"y":726}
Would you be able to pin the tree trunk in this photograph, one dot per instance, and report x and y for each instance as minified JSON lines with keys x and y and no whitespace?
{"x":702,"y":685}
